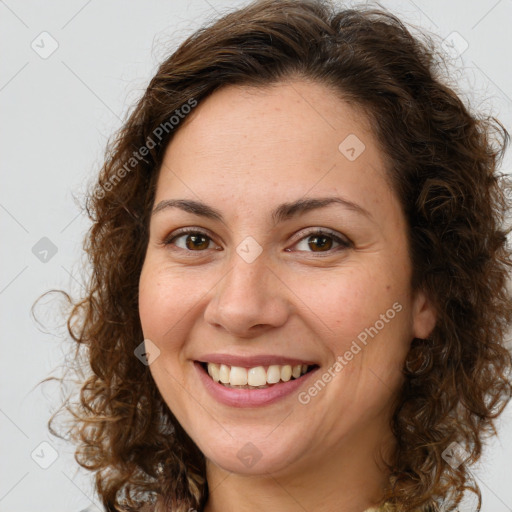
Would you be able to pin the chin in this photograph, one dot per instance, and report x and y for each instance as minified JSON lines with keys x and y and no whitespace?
{"x":246,"y":454}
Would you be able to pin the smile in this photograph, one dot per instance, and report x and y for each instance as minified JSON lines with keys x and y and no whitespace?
{"x":258,"y":377}
{"x":259,"y":388}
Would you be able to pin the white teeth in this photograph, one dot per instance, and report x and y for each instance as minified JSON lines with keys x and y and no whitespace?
{"x":254,"y":377}
{"x":296,"y":371}
{"x":286,"y":373}
{"x":274,"y":374}
{"x":214,"y":372}
{"x":224,"y":374}
{"x":238,"y":376}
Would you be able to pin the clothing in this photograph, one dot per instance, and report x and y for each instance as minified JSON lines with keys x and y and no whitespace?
{"x":384,"y":508}
{"x":389,"y":508}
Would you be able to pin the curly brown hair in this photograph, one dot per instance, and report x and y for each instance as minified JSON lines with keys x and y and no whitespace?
{"x":444,"y":168}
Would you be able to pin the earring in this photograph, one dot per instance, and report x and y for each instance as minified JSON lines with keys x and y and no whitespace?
{"x":419,"y":359}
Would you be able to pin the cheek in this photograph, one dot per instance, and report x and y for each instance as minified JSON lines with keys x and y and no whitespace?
{"x":162,"y":303}
{"x":166,"y":299}
{"x":164,"y":307}
{"x":366,"y":313}
{"x":349,"y":300}
{"x":152,"y":302}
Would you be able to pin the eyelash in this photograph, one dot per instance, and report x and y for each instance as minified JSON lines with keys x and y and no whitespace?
{"x":343,"y":243}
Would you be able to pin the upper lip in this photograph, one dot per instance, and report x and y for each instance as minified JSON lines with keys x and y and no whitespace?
{"x":252,"y":361}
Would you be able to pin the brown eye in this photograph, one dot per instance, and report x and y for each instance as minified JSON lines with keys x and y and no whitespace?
{"x":321,"y":241}
{"x":196,"y":241}
{"x":190,"y":241}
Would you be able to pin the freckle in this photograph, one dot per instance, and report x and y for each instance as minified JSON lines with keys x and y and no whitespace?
{"x":388,"y":287}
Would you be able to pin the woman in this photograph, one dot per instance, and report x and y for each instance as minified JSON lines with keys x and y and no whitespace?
{"x":298,"y":298}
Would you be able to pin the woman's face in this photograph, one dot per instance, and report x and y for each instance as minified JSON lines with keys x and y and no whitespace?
{"x":255,"y":174}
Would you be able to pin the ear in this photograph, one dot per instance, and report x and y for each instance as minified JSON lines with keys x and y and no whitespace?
{"x":424,"y":315}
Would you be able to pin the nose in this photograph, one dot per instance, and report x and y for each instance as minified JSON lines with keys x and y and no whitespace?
{"x":250,"y":299}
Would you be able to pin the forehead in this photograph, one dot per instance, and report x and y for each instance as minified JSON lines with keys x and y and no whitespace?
{"x":284,"y":140}
{"x":298,"y":117}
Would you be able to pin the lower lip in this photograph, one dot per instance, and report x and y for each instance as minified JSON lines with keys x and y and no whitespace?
{"x":250,"y":397}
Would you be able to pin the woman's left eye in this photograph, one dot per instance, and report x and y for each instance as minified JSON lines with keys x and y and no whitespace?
{"x":320,"y":241}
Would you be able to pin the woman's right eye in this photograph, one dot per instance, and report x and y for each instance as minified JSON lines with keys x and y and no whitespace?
{"x":190,"y":240}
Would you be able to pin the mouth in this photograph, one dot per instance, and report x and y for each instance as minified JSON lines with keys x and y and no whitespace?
{"x":257,"y":377}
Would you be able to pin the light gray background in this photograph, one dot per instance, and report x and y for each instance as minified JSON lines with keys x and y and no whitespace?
{"x":56,"y":115}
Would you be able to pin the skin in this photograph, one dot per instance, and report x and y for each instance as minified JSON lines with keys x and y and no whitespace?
{"x":244,"y":151}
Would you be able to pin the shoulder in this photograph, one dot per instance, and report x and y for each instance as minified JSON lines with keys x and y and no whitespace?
{"x":147,"y":507}
{"x":387,"y":507}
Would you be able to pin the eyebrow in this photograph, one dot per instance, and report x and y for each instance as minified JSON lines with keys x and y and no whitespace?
{"x":281,"y":213}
